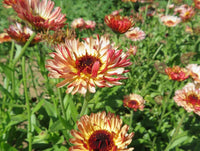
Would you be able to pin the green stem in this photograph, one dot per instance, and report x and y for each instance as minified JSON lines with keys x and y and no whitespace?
{"x":167,"y":7}
{"x":85,"y":104}
{"x":27,"y":104}
{"x":61,"y":103}
{"x":6,"y":79}
{"x":159,"y":48}
{"x":18,"y":56}
{"x":175,"y":133}
{"x":160,"y":120}
{"x":131,"y":120}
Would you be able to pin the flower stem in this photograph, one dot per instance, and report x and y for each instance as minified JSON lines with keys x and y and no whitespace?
{"x":27,"y":105}
{"x":131,"y":120}
{"x":61,"y":103}
{"x":85,"y":104}
{"x":18,"y":56}
{"x":175,"y":133}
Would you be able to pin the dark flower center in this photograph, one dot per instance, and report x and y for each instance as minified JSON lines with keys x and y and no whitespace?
{"x":132,"y":103}
{"x":194,"y":99}
{"x":85,"y":64}
{"x":101,"y":140}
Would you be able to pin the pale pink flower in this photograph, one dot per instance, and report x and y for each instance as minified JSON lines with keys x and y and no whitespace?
{"x":185,"y":11}
{"x":170,"y":21}
{"x":85,"y":65}
{"x":78,"y":23}
{"x":194,"y":72}
{"x":40,"y":14}
{"x":189,"y":98}
{"x":89,"y":24}
{"x":135,"y":34}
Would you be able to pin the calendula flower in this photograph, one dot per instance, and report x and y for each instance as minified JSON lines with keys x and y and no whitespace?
{"x":135,"y":34}
{"x":170,"y":21}
{"x":41,"y":14}
{"x":132,"y":50}
{"x":78,"y":23}
{"x":101,"y":132}
{"x":185,"y":12}
{"x":21,"y":34}
{"x":197,"y":4}
{"x":189,"y":98}
{"x":86,"y":64}
{"x":4,"y":37}
{"x":194,"y":72}
{"x":89,"y":24}
{"x":119,"y":24}
{"x":177,"y":73}
{"x":134,"y":101}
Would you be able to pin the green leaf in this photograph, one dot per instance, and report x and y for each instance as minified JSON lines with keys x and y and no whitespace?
{"x":38,"y":106}
{"x":50,"y":109}
{"x":56,"y":126}
{"x":17,"y":119}
{"x":178,"y":141}
{"x":3,"y":90}
{"x":6,"y":147}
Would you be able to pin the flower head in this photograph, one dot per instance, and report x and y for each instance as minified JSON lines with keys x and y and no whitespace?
{"x":135,"y":34}
{"x":119,"y":24}
{"x":132,"y":50}
{"x":78,"y":23}
{"x":101,"y":132}
{"x":4,"y":37}
{"x":197,"y":4}
{"x":21,"y":34}
{"x":134,"y":101}
{"x":194,"y":72}
{"x":40,"y":14}
{"x":177,"y":73}
{"x":189,"y":98}
{"x":89,"y":24}
{"x":86,"y":64}
{"x":170,"y":21}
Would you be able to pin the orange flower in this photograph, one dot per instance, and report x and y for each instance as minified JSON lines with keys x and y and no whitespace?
{"x":4,"y":37}
{"x":101,"y":132}
{"x":40,"y":14}
{"x":118,"y":23}
{"x":170,"y":21}
{"x":189,"y":98}
{"x":21,"y":34}
{"x":197,"y":4}
{"x":134,"y":101}
{"x":194,"y":72}
{"x":177,"y":73}
{"x":86,"y":64}
{"x":135,"y":34}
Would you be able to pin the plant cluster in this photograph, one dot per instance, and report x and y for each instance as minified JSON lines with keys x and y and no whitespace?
{"x":117,"y":75}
